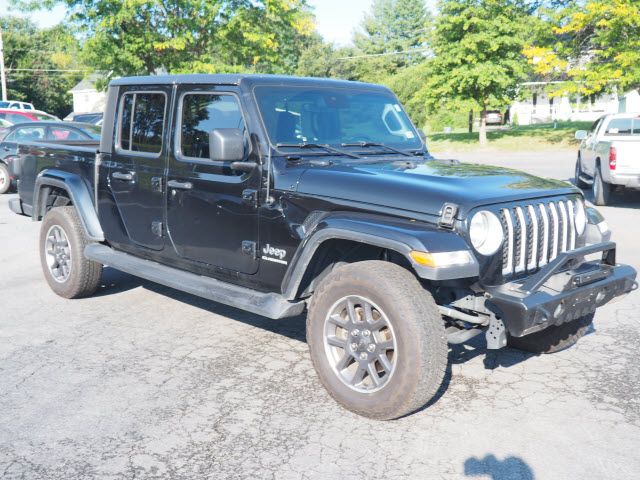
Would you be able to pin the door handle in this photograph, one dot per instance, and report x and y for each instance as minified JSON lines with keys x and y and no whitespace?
{"x":180,"y":185}
{"x":123,"y":176}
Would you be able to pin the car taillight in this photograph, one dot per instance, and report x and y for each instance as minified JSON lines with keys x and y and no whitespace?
{"x":613,"y":157}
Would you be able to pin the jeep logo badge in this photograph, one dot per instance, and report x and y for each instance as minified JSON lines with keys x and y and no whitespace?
{"x":273,"y":254}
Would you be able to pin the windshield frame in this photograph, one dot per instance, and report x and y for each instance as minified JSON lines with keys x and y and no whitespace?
{"x":356,"y":88}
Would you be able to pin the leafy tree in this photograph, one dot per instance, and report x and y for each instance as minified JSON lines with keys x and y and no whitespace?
{"x":146,"y":36}
{"x":478,"y":50}
{"x":31,"y":55}
{"x":394,"y":26}
{"x":593,"y":45}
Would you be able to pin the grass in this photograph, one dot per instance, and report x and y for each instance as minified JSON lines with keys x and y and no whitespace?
{"x":528,"y":137}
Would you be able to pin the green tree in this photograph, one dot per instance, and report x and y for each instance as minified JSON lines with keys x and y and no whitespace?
{"x":594,"y":45}
{"x":478,"y":48}
{"x":36,"y":60}
{"x":394,"y":26}
{"x":145,"y":36}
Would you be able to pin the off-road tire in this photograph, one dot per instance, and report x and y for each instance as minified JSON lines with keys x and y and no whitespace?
{"x":578,"y":182}
{"x":5,"y":179}
{"x":84,"y":276}
{"x":601,"y":190}
{"x":553,"y":339}
{"x":418,"y":328}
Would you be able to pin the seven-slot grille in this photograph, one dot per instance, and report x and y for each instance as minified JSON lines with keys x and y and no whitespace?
{"x":536,"y":233}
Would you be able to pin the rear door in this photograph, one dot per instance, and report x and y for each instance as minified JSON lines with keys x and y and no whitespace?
{"x":137,"y":165}
{"x":590,"y":143}
{"x":211,"y":208}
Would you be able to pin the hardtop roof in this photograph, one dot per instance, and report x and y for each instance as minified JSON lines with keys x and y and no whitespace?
{"x":237,"y":79}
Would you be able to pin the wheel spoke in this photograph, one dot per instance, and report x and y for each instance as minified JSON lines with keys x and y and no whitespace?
{"x":336,"y":319}
{"x":344,"y":361}
{"x":373,"y":374}
{"x":336,"y":342}
{"x":385,"y":345}
{"x":384,"y":361}
{"x":351,"y":310}
{"x":358,"y":376}
{"x":368,"y":314}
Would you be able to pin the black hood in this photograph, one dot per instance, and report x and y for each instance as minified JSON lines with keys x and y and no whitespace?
{"x":425,"y":188}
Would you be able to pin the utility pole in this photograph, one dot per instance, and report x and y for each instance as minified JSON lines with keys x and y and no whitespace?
{"x":3,"y":77}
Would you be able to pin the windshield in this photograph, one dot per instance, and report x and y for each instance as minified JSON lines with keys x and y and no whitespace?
{"x":332,"y":116}
{"x":4,"y":104}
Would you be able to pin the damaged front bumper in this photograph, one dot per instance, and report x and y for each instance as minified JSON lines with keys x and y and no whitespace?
{"x":567,"y":288}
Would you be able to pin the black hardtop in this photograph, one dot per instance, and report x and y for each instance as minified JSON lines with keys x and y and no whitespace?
{"x":240,"y":79}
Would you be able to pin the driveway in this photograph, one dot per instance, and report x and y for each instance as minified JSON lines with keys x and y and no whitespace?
{"x":141,"y":381}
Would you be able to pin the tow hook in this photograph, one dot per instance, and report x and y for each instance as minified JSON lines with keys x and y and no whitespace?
{"x":496,"y":334}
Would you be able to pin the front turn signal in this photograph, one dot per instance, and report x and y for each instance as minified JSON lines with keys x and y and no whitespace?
{"x":441,"y":259}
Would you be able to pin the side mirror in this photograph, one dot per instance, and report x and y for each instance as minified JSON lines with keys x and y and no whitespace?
{"x":226,"y":145}
{"x":581,"y":134}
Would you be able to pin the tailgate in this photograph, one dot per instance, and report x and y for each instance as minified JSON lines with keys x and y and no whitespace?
{"x":627,"y":156}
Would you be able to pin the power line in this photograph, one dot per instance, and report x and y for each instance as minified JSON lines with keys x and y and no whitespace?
{"x":401,"y":52}
{"x":50,"y":70}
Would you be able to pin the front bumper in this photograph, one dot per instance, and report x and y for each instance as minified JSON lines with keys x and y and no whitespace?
{"x":565,"y":289}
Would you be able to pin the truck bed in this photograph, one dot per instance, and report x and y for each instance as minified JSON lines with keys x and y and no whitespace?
{"x":68,"y":156}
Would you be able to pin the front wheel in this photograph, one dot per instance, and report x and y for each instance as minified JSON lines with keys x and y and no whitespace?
{"x":376,"y":339}
{"x":62,"y":242}
{"x":555,"y":338}
{"x":578,"y":175}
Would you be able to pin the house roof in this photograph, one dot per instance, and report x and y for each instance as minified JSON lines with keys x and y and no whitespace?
{"x":87,"y":83}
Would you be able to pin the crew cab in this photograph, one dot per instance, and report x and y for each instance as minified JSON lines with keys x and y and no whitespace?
{"x":609,"y":155}
{"x":280,"y":195}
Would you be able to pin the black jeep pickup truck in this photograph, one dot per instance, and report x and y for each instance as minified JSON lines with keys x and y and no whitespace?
{"x":278,"y":195}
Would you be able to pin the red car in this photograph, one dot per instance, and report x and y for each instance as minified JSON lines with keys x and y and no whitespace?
{"x":23,"y":116}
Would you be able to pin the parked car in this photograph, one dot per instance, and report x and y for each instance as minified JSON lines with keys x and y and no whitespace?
{"x":22,"y":116}
{"x":51,"y":132}
{"x":16,"y":105}
{"x":94,"y":118}
{"x":609,"y":156}
{"x":493,"y":117}
{"x":279,"y":194}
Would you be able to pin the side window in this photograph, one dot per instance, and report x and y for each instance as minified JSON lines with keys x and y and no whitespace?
{"x":142,"y":122}
{"x":57,"y":133}
{"x":202,"y":113}
{"x":29,"y":134}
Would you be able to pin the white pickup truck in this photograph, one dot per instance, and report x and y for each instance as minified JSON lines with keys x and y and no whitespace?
{"x":609,"y":155}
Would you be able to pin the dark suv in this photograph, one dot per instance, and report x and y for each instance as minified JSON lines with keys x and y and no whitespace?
{"x":279,"y":195}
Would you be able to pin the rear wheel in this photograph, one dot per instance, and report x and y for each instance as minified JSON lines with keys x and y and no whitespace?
{"x":5,"y":179}
{"x":553,"y":339}
{"x":376,"y":339}
{"x":62,"y":242}
{"x":601,"y":190}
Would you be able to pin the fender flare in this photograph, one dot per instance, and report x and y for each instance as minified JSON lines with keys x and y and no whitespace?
{"x":79,"y":194}
{"x":402,"y":236}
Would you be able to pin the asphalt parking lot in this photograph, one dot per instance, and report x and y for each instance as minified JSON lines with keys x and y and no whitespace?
{"x":141,"y":381}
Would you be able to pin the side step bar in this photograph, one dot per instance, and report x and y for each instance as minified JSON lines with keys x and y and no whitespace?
{"x":270,"y":305}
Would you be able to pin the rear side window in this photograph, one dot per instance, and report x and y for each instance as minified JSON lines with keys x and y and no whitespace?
{"x":30,"y":134}
{"x":202,"y":113}
{"x":623,"y":126}
{"x":142,"y":122}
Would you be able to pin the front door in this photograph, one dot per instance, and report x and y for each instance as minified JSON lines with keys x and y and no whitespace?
{"x":137,"y":167}
{"x":212,"y":214}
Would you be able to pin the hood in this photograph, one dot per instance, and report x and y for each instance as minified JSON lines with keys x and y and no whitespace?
{"x":425,"y":188}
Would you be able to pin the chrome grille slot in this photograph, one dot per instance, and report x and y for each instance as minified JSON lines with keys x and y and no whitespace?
{"x":535,"y":234}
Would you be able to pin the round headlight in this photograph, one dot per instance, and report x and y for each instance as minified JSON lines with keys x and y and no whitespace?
{"x":581,"y":217}
{"x":486,"y":232}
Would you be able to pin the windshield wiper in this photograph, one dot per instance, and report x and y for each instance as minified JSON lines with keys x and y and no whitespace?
{"x":375,"y":144}
{"x":323,"y":146}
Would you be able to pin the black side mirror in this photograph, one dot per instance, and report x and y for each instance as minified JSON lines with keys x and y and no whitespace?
{"x":226,"y":145}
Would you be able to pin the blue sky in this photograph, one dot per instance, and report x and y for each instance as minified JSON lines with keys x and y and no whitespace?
{"x":336,"y":18}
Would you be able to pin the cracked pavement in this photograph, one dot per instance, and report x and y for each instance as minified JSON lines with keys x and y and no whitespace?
{"x":141,"y":381}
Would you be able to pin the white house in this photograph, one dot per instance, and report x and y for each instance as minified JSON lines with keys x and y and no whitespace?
{"x":86,"y":98}
{"x":630,"y":102}
{"x":536,"y":106}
